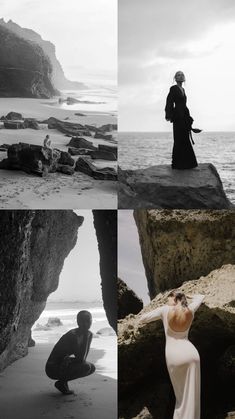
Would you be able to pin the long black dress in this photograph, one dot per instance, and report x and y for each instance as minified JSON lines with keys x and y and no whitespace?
{"x":183,"y":156}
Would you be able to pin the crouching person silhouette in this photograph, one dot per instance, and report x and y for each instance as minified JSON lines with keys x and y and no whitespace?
{"x":67,"y":360}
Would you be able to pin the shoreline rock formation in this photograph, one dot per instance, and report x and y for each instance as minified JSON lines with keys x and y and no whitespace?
{"x":25,"y":69}
{"x":180,"y":244}
{"x":142,"y":368}
{"x":128,"y":301}
{"x":57,"y":76}
{"x":162,"y":187}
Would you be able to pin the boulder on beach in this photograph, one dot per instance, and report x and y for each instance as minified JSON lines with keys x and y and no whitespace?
{"x":128,"y":302}
{"x":66,"y":127}
{"x":162,"y":187}
{"x":14,"y":116}
{"x":31,"y":123}
{"x":141,"y":352}
{"x":108,"y":127}
{"x":84,"y":165}
{"x":79,"y":142}
{"x":54,"y":322}
{"x":65,"y":159}
{"x":66,"y":170}
{"x":102,"y":136}
{"x":14,"y":124}
{"x":41,"y":327}
{"x":79,"y":151}
{"x":103,"y":155}
{"x":106,"y":331}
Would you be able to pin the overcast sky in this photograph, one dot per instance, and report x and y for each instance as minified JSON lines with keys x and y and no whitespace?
{"x":130,"y":265}
{"x":83,"y":31}
{"x":158,"y":38}
{"x":80,"y":277}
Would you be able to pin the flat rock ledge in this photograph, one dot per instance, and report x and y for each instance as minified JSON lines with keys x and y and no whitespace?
{"x":163,"y":187}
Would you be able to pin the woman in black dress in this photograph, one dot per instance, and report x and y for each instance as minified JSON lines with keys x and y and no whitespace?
{"x":183,"y":156}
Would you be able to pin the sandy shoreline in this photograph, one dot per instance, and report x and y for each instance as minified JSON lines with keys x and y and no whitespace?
{"x":21,"y":191}
{"x":27,"y":393}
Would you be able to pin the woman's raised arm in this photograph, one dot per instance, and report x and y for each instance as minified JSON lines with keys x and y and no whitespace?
{"x":151,"y":316}
{"x":197,"y":300}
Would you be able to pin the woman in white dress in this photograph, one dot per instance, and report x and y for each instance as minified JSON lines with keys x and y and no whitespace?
{"x":182,"y":358}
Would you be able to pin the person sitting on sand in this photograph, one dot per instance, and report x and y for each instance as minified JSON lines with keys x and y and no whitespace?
{"x":63,"y":367}
{"x":47,"y":142}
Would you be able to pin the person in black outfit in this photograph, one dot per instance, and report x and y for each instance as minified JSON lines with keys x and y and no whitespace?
{"x":183,"y":156}
{"x":63,"y":367}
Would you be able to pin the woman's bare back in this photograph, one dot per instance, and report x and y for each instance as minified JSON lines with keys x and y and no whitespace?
{"x":179,"y":319}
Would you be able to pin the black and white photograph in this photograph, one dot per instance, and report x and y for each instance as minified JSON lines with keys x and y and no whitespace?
{"x":176,"y":89}
{"x":58,"y":104}
{"x":58,"y":346}
{"x":176,"y":314}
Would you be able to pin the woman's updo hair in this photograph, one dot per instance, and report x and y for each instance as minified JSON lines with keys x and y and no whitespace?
{"x":179,"y":296}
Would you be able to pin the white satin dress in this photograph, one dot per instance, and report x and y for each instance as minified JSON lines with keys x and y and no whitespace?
{"x":183,"y":362}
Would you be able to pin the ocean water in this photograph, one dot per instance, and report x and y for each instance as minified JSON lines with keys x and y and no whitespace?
{"x":142,"y":149}
{"x":67,"y":312}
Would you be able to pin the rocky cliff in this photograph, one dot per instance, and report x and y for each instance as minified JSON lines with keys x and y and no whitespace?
{"x":128,"y":301}
{"x":179,"y":245}
{"x":25,"y":70}
{"x":162,"y":187}
{"x":34,"y":245}
{"x":105,"y":222}
{"x":58,"y":78}
{"x":144,"y":386}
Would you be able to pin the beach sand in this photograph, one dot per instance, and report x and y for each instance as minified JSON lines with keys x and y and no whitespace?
{"x":27,"y":393}
{"x":21,"y":191}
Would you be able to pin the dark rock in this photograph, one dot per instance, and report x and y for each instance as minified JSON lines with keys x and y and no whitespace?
{"x":67,"y":170}
{"x":226,"y":367}
{"x":42,"y":327}
{"x":14,"y":116}
{"x":110,"y":148}
{"x":29,"y":76}
{"x":163,"y":187}
{"x":79,"y":151}
{"x":180,"y":244}
{"x":32,"y":270}
{"x":103,"y":155}
{"x":128,"y":302}
{"x":31,"y":341}
{"x":106,"y":331}
{"x":54,"y":322}
{"x":79,"y":142}
{"x":65,"y":159}
{"x":84,"y":165}
{"x":14,"y":125}
{"x":108,"y":127}
{"x":31,"y":123}
{"x":102,"y":136}
{"x":79,"y":114}
{"x":105,"y":223}
{"x":141,"y":351}
{"x":66,"y":127}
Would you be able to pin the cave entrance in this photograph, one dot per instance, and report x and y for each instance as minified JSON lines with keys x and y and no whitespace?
{"x":79,"y":289}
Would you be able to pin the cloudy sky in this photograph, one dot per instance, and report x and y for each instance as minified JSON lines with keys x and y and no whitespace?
{"x":130,"y":265}
{"x":158,"y":38}
{"x":80,"y":277}
{"x":84,"y":32}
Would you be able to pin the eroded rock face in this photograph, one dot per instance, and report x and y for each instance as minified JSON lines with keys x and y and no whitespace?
{"x":34,"y":245}
{"x":142,"y":367}
{"x":178,"y":245}
{"x":128,"y":302}
{"x":105,"y":222}
{"x":162,"y":187}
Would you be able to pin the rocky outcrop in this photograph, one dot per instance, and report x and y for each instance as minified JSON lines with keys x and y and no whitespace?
{"x":144,"y":387}
{"x":68,"y":128}
{"x":84,"y":165}
{"x":37,"y":160}
{"x":58,"y":78}
{"x":162,"y":187}
{"x":27,"y":239}
{"x":128,"y":302}
{"x":25,"y":70}
{"x":79,"y":142}
{"x":177,"y":245}
{"x":105,"y":222}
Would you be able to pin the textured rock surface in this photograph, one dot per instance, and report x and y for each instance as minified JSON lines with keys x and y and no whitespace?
{"x":105,"y":223}
{"x":178,"y":245}
{"x":84,"y":165}
{"x":142,"y":369}
{"x":128,"y":302}
{"x":25,"y":70}
{"x":58,"y":78}
{"x":27,"y":239}
{"x":162,"y":187}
